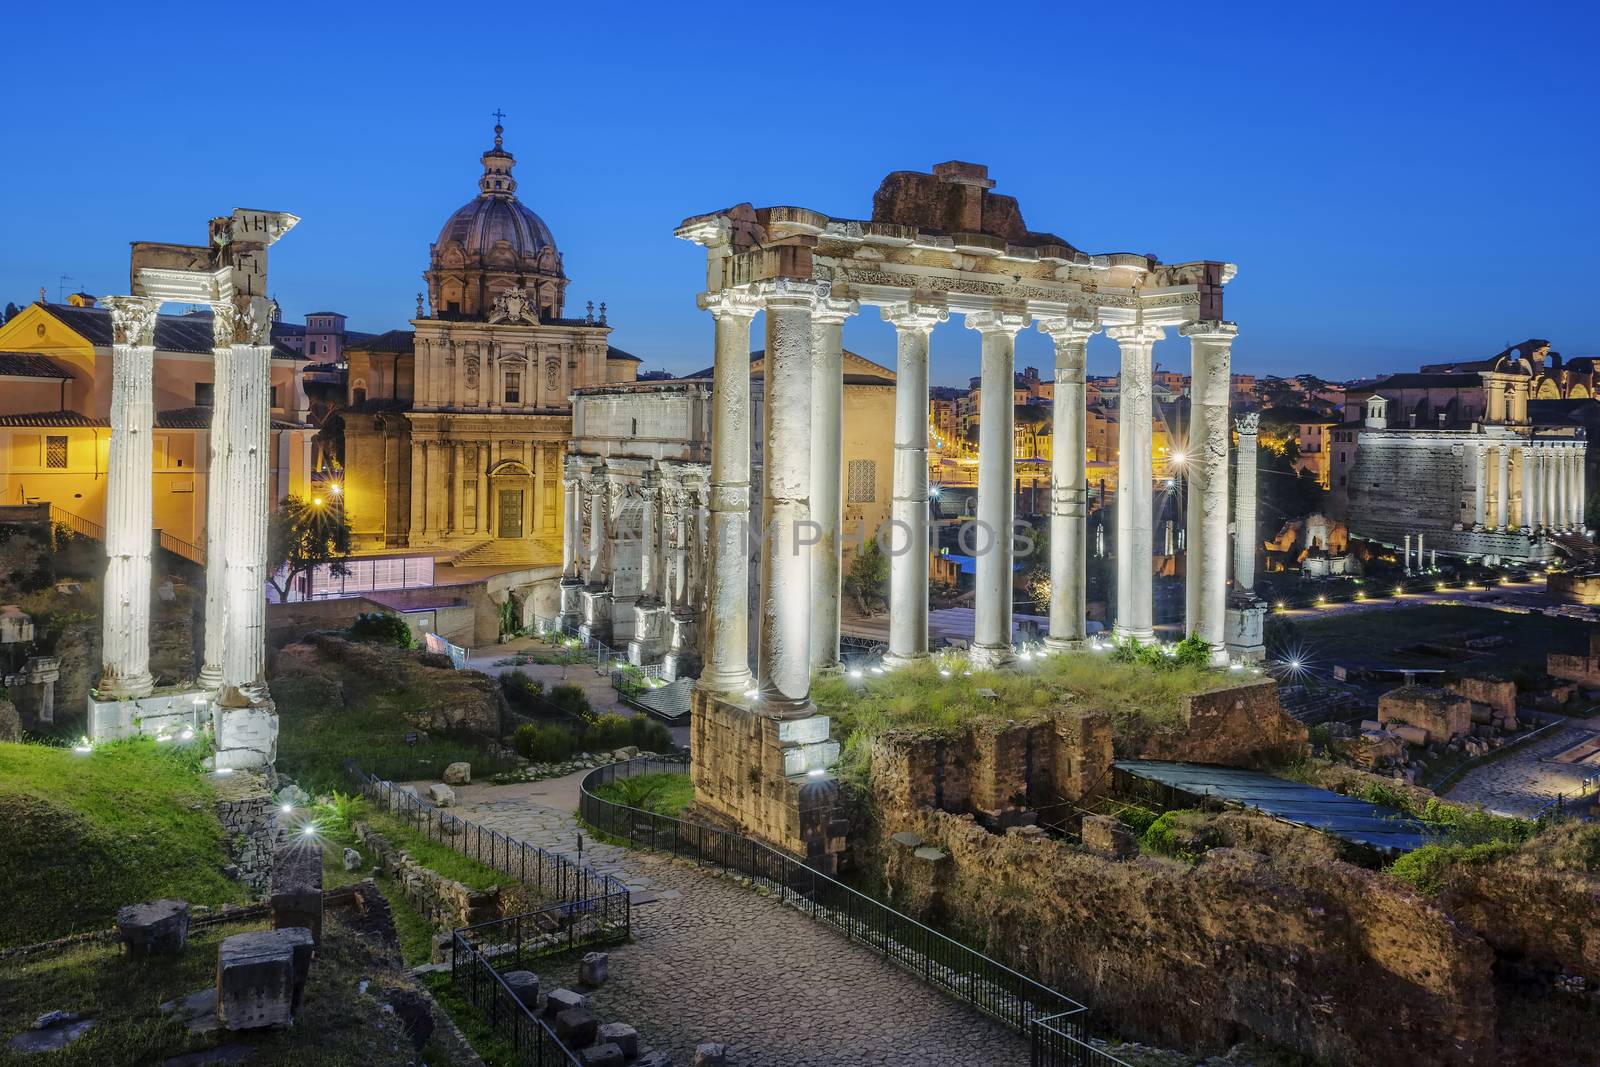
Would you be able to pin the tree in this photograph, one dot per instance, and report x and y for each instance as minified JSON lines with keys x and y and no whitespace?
{"x":303,"y":534}
{"x":869,"y":575}
{"x":11,"y":312}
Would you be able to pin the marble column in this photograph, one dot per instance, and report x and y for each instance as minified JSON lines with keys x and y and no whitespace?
{"x":125,"y":615}
{"x":1244,"y":507}
{"x":1581,"y":479}
{"x":1557,"y":499}
{"x":1502,"y":499}
{"x":1135,"y":469}
{"x":570,"y":512}
{"x":727,"y":668}
{"x":244,"y":683}
{"x":907,"y":534}
{"x":1525,"y":504}
{"x":649,"y":540}
{"x":783,"y":662}
{"x":991,"y":644}
{"x":1574,"y":487}
{"x":1480,"y":486}
{"x":1210,"y":348}
{"x":1068,"y":485}
{"x":218,"y":508}
{"x":599,"y":530}
{"x":827,"y":500}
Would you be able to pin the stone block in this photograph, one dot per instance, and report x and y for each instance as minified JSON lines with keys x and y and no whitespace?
{"x":246,"y":737}
{"x":621,"y":1035}
{"x":524,"y":985}
{"x":259,"y":976}
{"x":296,"y":892}
{"x":561,"y":1000}
{"x":442,"y":795}
{"x":593,"y":968}
{"x":159,"y":928}
{"x":352,"y":859}
{"x":907,"y":839}
{"x":710,"y":1054}
{"x":458,"y":774}
{"x":807,"y":731}
{"x":51,"y":1031}
{"x":1442,"y":714}
{"x":576,"y":1027}
{"x":603,"y":1054}
{"x":1105,"y":836}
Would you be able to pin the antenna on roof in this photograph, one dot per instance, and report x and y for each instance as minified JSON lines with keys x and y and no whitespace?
{"x":61,"y":287}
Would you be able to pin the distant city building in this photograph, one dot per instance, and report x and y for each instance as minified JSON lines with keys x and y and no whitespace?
{"x":1481,"y":458}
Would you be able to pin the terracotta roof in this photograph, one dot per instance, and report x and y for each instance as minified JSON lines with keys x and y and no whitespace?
{"x":397,"y":341}
{"x":52,"y":419}
{"x":199,"y":418}
{"x":174,"y":333}
{"x":28,"y":365}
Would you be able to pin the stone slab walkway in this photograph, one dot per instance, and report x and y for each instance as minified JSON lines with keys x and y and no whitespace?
{"x":1525,"y":781}
{"x":713,"y":961}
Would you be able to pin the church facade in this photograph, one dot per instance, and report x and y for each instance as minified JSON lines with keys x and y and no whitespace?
{"x":456,"y":429}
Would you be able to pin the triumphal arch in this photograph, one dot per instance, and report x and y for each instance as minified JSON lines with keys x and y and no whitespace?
{"x":936,"y":245}
{"x":228,"y":273}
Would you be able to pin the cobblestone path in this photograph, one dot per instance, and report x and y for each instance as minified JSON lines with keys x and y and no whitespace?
{"x":1523,"y":782}
{"x":713,"y":961}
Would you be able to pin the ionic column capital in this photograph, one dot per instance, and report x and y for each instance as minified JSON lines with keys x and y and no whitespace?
{"x":1067,"y":330}
{"x":792,"y":293}
{"x":830,"y":311}
{"x":1135,"y":334}
{"x":730,"y":304}
{"x":133,"y":320}
{"x":1212,"y":330}
{"x":911,"y":316}
{"x":998,"y":321}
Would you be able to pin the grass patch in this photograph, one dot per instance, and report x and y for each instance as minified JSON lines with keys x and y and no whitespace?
{"x":436,"y":856}
{"x":495,"y":1050}
{"x":664,"y":794}
{"x":316,"y":737}
{"x":920,"y":697}
{"x":84,"y":833}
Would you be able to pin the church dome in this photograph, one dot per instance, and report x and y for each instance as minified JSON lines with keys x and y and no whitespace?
{"x":492,"y":245}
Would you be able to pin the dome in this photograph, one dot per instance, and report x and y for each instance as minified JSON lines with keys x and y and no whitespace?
{"x":487,"y":220}
{"x":494,"y":245}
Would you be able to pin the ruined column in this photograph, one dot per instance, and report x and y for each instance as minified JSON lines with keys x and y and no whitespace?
{"x":991,"y":644}
{"x":125,"y":630}
{"x":218,"y":507}
{"x":1480,"y":486}
{"x":1210,"y":348}
{"x":649,"y":537}
{"x":1135,"y":468}
{"x":783,"y":662}
{"x":908,"y":529}
{"x":1502,"y":482}
{"x":1068,"y":485}
{"x":1245,"y":617}
{"x":249,"y":424}
{"x":727,"y":667}
{"x":827,"y":499}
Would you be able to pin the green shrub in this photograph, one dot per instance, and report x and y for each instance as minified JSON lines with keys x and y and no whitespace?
{"x":570,"y":699}
{"x":1193,"y":651}
{"x":522,"y":691}
{"x":1427,"y":866}
{"x":1169,"y":836}
{"x":1140,"y":819}
{"x":382,"y":627}
{"x":544,"y":742}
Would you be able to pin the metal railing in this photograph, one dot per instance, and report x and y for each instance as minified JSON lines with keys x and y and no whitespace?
{"x":607,"y":660}
{"x":942,"y":962}
{"x":77,"y":523}
{"x":533,"y":1043}
{"x":549,"y":873}
{"x":1052,"y":1044}
{"x":193,"y":553}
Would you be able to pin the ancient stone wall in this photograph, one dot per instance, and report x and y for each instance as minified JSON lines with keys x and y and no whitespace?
{"x":1500,"y":695}
{"x":250,"y":824}
{"x":1573,"y":588}
{"x":1239,"y":726}
{"x":1585,"y":670}
{"x":1442,"y":714}
{"x":738,"y":769}
{"x":445,"y":903}
{"x":1342,"y":964}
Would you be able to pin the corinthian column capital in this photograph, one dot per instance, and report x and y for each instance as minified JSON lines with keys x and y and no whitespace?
{"x":911,"y":316}
{"x":1069,"y":329}
{"x":1212,"y":330}
{"x":133,"y":320}
{"x":1248,"y":424}
{"x":792,"y":292}
{"x":998,"y":320}
{"x":730,"y":303}
{"x":833,"y":311}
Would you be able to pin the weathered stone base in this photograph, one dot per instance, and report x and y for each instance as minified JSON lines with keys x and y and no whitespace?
{"x":169,"y":712}
{"x":595,"y":621}
{"x":246,"y":737}
{"x":651,"y":623}
{"x":769,"y":776}
{"x":1244,"y":630}
{"x":571,"y":602}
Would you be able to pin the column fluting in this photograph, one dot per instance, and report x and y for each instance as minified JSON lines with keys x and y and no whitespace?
{"x":1135,"y":605}
{"x":1068,"y":484}
{"x":908,"y":531}
{"x":827,"y":503}
{"x":991,"y":644}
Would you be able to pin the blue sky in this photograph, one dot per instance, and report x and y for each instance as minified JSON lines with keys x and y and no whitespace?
{"x":1396,"y":183}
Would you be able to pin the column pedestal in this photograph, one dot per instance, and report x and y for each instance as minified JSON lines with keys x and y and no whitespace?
{"x":595,"y":615}
{"x":1245,"y":628}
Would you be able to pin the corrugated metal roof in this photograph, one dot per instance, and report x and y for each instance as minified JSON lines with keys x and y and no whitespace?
{"x":1332,"y":813}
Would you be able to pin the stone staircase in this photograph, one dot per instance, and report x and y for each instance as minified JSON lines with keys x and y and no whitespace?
{"x":1578,"y":548}
{"x":532,"y":551}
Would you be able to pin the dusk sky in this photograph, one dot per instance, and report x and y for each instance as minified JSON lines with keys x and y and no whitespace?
{"x":1396,"y":186}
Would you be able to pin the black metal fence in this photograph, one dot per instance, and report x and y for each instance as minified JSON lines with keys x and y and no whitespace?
{"x":531,"y":1039}
{"x":942,"y":962}
{"x":550,"y":874}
